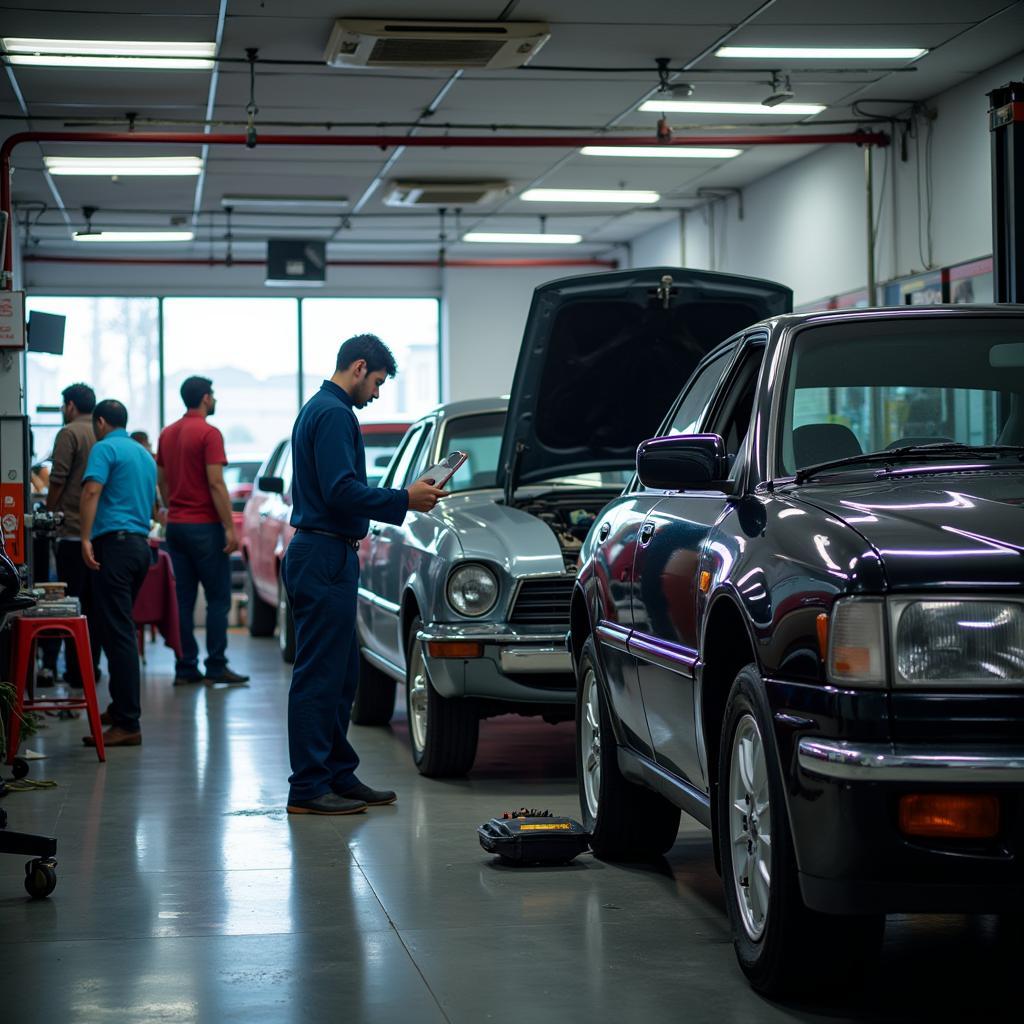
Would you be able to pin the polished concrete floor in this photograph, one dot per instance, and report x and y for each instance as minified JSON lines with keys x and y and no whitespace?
{"x":187,"y":894}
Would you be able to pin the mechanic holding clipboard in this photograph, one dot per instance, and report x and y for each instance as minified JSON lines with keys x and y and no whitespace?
{"x":331,"y":511}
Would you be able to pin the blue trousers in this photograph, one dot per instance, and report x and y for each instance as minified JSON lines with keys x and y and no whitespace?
{"x":321,"y":575}
{"x":197,"y":553}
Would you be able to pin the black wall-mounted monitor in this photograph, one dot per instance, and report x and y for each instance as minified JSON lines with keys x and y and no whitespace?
{"x":46,"y":332}
{"x":296,"y":262}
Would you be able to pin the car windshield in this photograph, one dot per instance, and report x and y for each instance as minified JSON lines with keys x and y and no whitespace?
{"x":480,"y":437}
{"x":864,"y":387}
{"x":238,"y":473}
{"x":379,"y":448}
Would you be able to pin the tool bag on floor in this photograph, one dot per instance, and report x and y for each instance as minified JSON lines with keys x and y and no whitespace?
{"x":533,"y":837}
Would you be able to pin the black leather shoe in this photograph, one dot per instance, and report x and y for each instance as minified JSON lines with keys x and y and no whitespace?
{"x":188,"y":679}
{"x":329,"y":803}
{"x":227,"y":676}
{"x":371,"y":797}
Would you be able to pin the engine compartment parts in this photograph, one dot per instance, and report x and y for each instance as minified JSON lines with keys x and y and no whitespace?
{"x":534,"y":837}
{"x":568,"y":521}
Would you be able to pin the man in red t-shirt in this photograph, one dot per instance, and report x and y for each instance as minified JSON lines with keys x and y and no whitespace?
{"x":200,"y":532}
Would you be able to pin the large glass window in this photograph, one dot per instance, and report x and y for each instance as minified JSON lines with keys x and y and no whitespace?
{"x":249,"y":349}
{"x":409,"y":327}
{"x":111,"y":344}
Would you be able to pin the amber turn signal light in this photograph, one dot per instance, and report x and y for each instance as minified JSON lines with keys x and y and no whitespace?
{"x":454,"y":649}
{"x":821,"y":624}
{"x":949,"y":816}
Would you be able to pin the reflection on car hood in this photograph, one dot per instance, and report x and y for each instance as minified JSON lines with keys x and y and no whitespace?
{"x":604,"y":356}
{"x":937,"y":529}
{"x":520,"y":543}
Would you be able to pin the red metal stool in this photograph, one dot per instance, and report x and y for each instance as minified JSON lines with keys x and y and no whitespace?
{"x":26,"y":632}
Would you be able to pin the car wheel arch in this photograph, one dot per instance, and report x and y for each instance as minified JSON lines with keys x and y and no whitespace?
{"x":726,"y":647}
{"x":579,"y":624}
{"x":410,"y":609}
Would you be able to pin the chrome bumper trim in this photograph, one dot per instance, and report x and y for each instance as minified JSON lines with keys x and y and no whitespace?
{"x":883,"y":762}
{"x":534,"y":659}
{"x":489,"y":633}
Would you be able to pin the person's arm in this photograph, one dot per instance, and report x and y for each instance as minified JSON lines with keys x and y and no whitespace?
{"x":222,"y":503}
{"x":163,"y":500}
{"x":87,"y":510}
{"x":346,"y":494}
{"x":63,"y":456}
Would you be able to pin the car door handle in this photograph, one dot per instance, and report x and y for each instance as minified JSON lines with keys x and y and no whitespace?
{"x":264,"y":515}
{"x":376,"y":528}
{"x":602,"y":534}
{"x":646,"y":533}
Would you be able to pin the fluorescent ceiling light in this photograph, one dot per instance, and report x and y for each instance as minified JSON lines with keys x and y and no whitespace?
{"x":133,"y":236}
{"x":107,"y":53}
{"x":588,"y":195}
{"x":820,"y":52}
{"x":273,"y":202}
{"x":117,"y":167}
{"x":700,"y":107}
{"x":692,"y":152}
{"x":523,"y":237}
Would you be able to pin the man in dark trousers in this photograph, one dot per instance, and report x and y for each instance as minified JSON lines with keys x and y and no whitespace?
{"x":331,"y":511}
{"x":200,"y":530}
{"x":117,"y":501}
{"x":71,"y":449}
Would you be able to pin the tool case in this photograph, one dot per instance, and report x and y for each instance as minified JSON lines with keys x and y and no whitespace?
{"x":533,"y":837}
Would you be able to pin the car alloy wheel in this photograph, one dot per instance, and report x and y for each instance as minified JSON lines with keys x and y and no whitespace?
{"x":750,"y":826}
{"x":590,"y":741}
{"x":419,"y":698}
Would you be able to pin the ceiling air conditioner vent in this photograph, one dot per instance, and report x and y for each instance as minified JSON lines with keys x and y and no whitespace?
{"x":362,"y":42}
{"x":443,"y":193}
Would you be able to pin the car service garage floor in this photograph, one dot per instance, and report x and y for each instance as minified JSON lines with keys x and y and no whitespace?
{"x":187,"y":894}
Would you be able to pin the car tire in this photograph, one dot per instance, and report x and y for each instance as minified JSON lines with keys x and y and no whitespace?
{"x":374,"y":703}
{"x":262,"y":617}
{"x":625,"y":821}
{"x":443,"y":731}
{"x":285,"y":625}
{"x":778,"y":940}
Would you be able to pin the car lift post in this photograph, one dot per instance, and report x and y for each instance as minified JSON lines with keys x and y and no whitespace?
{"x":1006,"y":125}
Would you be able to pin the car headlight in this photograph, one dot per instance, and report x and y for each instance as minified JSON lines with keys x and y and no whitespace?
{"x":955,"y":642}
{"x":856,"y":643}
{"x":472,"y":590}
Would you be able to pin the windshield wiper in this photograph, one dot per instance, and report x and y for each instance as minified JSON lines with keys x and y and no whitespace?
{"x":940,"y":449}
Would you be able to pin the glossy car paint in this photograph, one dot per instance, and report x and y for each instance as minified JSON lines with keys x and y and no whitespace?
{"x":778,"y":554}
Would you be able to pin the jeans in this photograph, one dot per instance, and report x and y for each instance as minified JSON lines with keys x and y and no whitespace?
{"x":124,"y":562}
{"x":197,"y":553}
{"x":321,"y":575}
{"x":72,"y":570}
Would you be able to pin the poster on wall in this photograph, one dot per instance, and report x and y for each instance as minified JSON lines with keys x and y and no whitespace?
{"x":971,"y":282}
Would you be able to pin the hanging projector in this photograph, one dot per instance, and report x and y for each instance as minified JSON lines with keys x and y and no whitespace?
{"x":296,"y":262}
{"x":410,"y":42}
{"x":782,"y":91}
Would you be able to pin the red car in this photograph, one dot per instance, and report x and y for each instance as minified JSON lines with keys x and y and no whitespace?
{"x":265,"y":530}
{"x":239,"y":475}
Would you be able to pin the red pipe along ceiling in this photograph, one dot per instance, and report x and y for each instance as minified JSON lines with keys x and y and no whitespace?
{"x":859,"y":138}
{"x":199,"y":262}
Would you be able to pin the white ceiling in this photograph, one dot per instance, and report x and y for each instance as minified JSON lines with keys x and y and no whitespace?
{"x":965,"y":37}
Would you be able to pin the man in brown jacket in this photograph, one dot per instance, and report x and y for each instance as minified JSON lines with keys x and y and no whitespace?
{"x":71,"y":450}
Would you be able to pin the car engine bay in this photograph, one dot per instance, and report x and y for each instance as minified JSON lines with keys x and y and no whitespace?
{"x":569,"y":515}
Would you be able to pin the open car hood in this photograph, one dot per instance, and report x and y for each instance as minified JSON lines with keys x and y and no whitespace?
{"x":604,"y":356}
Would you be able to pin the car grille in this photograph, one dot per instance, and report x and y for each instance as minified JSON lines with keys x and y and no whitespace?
{"x":543,"y":602}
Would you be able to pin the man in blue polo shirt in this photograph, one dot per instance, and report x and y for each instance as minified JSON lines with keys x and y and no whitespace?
{"x":117,"y":499}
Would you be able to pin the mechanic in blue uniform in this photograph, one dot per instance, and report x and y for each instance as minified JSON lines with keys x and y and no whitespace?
{"x":331,"y":511}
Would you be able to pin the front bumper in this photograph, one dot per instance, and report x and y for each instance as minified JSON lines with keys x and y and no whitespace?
{"x":519,"y":665}
{"x":843,"y":790}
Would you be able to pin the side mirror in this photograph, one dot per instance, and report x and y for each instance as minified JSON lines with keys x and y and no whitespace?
{"x":272,"y":484}
{"x":694,"y":462}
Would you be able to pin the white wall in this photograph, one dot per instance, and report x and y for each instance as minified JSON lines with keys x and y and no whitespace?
{"x":806,"y":225}
{"x":660,"y":247}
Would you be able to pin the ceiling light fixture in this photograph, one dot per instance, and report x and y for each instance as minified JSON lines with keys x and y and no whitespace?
{"x":588,"y":195}
{"x":820,"y":52}
{"x":523,"y":238}
{"x":118,"y":167}
{"x":274,"y":202}
{"x":683,"y":152}
{"x":106,"y":53}
{"x":700,"y":107}
{"x":128,"y":237}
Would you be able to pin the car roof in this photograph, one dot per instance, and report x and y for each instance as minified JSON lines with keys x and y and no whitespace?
{"x":822,"y":316}
{"x":467,"y":407}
